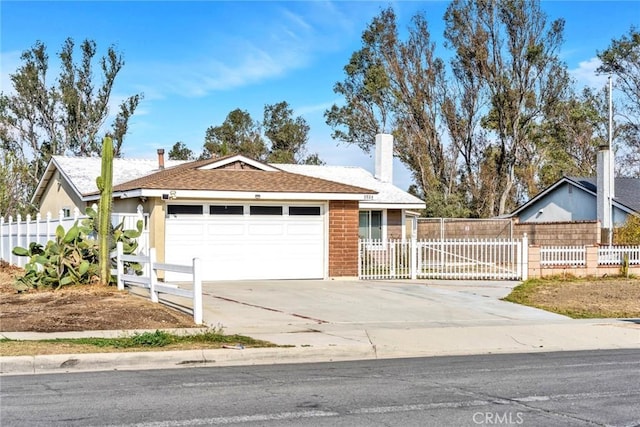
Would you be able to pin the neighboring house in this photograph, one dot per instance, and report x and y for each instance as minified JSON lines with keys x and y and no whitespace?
{"x":575,"y":199}
{"x":246,"y":219}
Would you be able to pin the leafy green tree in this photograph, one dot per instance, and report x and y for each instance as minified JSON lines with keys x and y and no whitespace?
{"x":238,"y":134}
{"x":567,"y":141}
{"x":398,"y":86}
{"x":629,"y":233}
{"x":622,"y":60}
{"x":511,"y":51}
{"x":288,"y":135}
{"x":14,"y":184}
{"x":314,"y":159}
{"x":180,"y":151}
{"x":62,"y":117}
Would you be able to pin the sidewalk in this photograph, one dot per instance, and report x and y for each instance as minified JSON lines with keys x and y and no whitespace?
{"x":356,"y":344}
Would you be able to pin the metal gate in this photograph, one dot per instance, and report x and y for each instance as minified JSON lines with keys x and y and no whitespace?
{"x":501,"y":259}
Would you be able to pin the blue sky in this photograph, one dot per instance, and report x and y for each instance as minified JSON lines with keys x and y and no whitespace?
{"x":197,"y":61}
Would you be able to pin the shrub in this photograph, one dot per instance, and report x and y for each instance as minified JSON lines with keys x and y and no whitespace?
{"x":72,"y":257}
{"x":629,"y":233}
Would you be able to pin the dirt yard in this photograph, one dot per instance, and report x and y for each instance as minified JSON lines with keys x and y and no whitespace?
{"x":105,"y":308}
{"x":80,"y":308}
{"x":583,"y":298}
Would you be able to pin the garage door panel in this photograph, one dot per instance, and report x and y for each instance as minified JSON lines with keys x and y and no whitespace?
{"x":248,"y":247}
{"x":214,"y":230}
{"x":304,"y":229}
{"x":265,"y":229}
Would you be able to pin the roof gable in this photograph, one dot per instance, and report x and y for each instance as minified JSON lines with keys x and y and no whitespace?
{"x":237,"y":162}
{"x":627,"y":192}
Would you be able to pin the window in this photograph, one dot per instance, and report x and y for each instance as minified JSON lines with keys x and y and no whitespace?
{"x":265,"y":210}
{"x":370,"y":225}
{"x":184,"y":209}
{"x":226,"y":210}
{"x":66,"y":212}
{"x":304,"y":210}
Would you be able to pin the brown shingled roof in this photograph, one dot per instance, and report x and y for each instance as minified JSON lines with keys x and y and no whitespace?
{"x":188,"y":176}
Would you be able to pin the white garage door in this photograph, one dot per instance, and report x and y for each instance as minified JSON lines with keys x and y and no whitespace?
{"x":245,"y":242}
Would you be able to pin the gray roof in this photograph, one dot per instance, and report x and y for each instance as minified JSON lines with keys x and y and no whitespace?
{"x":387,"y":192}
{"x":627,"y":190}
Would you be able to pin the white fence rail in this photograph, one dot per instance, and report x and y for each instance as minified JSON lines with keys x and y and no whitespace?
{"x":149,"y":279}
{"x":563,"y":255}
{"x":21,"y":232}
{"x":443,"y":259}
{"x":615,"y":255}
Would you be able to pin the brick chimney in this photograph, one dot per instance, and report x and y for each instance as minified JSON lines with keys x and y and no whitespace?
{"x":384,"y":157}
{"x":160,"y":158}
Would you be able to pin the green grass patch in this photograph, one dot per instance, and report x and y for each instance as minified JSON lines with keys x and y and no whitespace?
{"x":163,"y":339}
{"x":145,"y":341}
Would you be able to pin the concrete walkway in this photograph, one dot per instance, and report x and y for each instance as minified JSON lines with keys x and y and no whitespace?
{"x":348,"y":320}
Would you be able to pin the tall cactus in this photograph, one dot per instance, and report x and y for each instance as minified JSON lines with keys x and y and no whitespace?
{"x":105,"y":185}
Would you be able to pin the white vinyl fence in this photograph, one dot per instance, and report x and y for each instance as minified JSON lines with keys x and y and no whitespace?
{"x":149,"y":279}
{"x":504,"y":259}
{"x":614,"y":255}
{"x":23,"y":231}
{"x":563,"y":255}
{"x":575,"y":256}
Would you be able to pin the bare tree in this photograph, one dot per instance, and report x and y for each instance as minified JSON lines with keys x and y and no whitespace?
{"x":45,"y":118}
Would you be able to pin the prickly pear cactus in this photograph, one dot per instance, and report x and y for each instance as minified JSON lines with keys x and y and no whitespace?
{"x":105,"y":185}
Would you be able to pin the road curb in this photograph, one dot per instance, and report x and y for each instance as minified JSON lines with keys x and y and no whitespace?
{"x":66,"y":363}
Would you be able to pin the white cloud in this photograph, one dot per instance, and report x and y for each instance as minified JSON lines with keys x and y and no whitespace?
{"x":199,"y":77}
{"x":312,"y":109}
{"x":289,"y":40}
{"x":585,"y":74}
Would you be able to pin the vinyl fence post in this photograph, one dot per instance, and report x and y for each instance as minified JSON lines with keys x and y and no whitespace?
{"x":2,"y":255}
{"x":153,"y":275}
{"x":11,"y":245}
{"x":18,"y":240}
{"x":27,"y":231}
{"x":38,"y":220}
{"x":414,"y":257}
{"x":525,"y":257}
{"x":119,"y":266}
{"x":197,"y":292}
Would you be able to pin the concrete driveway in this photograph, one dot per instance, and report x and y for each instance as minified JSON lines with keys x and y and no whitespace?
{"x":277,"y":306}
{"x":391,"y":314}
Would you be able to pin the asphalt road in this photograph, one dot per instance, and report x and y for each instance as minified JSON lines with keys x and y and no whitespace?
{"x":543,"y":389}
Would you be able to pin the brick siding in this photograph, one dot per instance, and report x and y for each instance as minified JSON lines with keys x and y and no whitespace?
{"x":343,"y":238}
